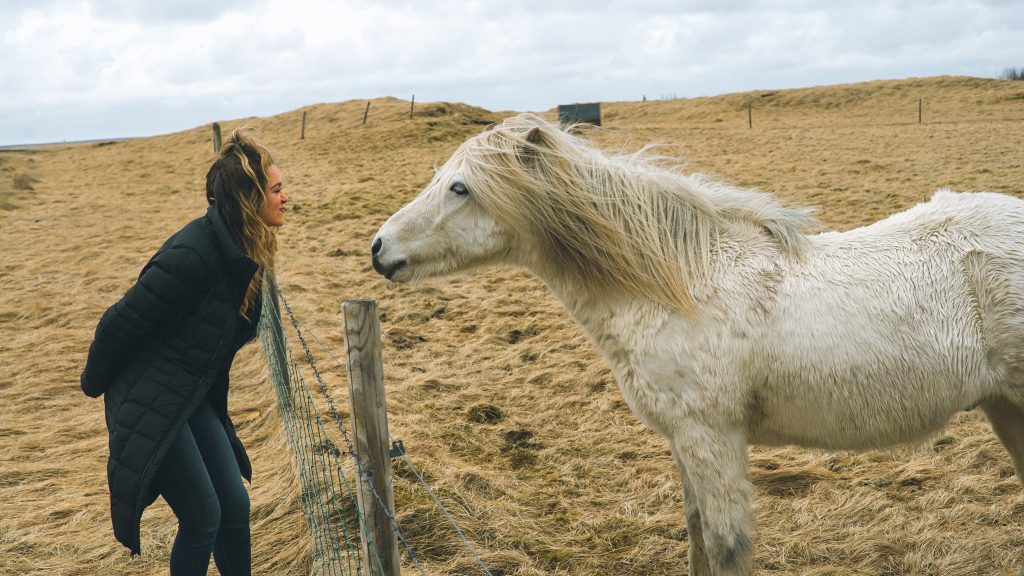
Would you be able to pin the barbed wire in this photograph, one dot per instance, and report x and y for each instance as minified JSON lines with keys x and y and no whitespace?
{"x":305,"y":433}
{"x":332,"y":410}
{"x":315,"y":485}
{"x":299,"y":329}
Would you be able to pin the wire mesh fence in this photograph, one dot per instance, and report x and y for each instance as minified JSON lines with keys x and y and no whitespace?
{"x":326,"y":460}
{"x":325,"y":471}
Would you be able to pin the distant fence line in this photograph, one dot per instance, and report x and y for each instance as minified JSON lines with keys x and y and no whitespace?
{"x":591,"y":113}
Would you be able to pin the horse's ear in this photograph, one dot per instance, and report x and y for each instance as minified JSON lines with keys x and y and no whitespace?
{"x":535,"y":136}
{"x":534,"y":141}
{"x":533,"y":145}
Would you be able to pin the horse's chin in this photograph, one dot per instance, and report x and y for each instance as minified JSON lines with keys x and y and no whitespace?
{"x":417,"y":273}
{"x":402,"y":275}
{"x":423,"y":271}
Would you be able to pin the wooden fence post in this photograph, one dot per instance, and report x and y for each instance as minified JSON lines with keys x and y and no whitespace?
{"x":412,"y":106}
{"x":370,"y":428}
{"x":303,"y":135}
{"x":216,"y":138}
{"x":919,"y":106}
{"x":366,"y":112}
{"x":750,"y":114}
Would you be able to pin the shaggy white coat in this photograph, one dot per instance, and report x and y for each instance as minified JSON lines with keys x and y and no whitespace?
{"x":853,"y":340}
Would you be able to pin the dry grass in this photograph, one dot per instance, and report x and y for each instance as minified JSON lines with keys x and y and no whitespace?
{"x":502,"y":403}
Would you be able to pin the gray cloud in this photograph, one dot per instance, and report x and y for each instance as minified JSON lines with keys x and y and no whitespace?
{"x":147,"y":11}
{"x":175,"y":65}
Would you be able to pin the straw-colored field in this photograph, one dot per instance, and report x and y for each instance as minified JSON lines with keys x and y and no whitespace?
{"x":565,"y":481}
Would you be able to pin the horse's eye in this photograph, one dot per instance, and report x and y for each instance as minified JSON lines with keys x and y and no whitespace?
{"x":459,"y":189}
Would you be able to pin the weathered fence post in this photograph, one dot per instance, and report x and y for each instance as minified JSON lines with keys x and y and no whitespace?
{"x":216,"y":138}
{"x":750,"y":114}
{"x":303,"y":135}
{"x":919,"y":106}
{"x":412,"y":106}
{"x":370,"y":428}
{"x":366,"y":112}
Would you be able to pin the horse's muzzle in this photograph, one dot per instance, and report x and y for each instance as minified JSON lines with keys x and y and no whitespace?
{"x":385,"y":270}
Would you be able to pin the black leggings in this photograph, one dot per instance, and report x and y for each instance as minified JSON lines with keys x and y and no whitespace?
{"x":200,"y":480}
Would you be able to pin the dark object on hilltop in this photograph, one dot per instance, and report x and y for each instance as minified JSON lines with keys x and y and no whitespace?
{"x":572,"y":113}
{"x":1012,"y":74}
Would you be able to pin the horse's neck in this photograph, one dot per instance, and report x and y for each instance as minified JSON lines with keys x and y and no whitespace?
{"x":605,"y":315}
{"x":613,"y":321}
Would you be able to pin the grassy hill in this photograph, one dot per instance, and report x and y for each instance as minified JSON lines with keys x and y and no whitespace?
{"x":565,"y":481}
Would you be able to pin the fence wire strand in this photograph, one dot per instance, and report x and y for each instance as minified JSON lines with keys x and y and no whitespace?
{"x":364,"y":474}
{"x":299,"y":329}
{"x":335,"y":549}
{"x":331,"y":509}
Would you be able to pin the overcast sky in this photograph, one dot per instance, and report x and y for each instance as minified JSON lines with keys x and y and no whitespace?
{"x":75,"y":69}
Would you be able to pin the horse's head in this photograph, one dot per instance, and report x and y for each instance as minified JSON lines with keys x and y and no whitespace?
{"x":452,"y":225}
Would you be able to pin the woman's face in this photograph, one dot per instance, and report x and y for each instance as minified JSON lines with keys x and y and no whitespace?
{"x":273,"y":208}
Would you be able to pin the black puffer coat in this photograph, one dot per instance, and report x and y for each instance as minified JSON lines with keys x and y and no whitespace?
{"x":159,"y":351}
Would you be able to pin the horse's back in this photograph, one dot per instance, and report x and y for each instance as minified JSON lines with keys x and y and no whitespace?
{"x":987,"y":215}
{"x":982,"y":220}
{"x":909,"y":320}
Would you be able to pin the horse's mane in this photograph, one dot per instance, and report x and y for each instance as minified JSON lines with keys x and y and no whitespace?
{"x":624,"y":222}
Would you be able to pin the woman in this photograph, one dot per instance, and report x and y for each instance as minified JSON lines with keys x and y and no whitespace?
{"x":162,"y":354}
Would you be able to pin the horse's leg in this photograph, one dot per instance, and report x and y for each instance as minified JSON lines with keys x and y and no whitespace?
{"x":1007,"y":420}
{"x":697,"y":556}
{"x":715,"y":480}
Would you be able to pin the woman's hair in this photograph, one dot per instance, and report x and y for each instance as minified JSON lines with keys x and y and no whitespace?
{"x":237,"y":183}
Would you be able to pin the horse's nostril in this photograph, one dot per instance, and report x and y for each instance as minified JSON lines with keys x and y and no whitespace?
{"x":376,"y":246}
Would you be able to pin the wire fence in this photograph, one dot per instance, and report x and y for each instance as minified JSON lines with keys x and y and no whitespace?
{"x":328,"y":473}
{"x":332,"y":518}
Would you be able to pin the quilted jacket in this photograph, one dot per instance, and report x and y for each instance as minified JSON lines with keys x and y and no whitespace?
{"x":159,"y":351}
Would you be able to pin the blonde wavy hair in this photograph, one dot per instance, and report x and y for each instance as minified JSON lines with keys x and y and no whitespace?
{"x":625,"y":222}
{"x":236,"y":183}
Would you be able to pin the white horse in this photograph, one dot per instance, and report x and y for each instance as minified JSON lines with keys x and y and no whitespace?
{"x":724,"y":320}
